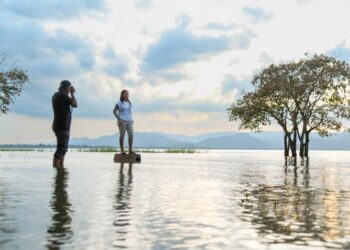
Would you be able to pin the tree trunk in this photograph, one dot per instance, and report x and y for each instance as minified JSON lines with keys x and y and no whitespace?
{"x":302,"y":141}
{"x":307,"y":140}
{"x":294,"y":144}
{"x":286,"y":146}
{"x":302,"y":148}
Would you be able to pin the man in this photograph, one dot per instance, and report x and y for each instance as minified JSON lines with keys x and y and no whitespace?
{"x":61,"y":104}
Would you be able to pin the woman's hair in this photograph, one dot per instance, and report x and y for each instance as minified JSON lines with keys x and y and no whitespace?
{"x":121,"y":96}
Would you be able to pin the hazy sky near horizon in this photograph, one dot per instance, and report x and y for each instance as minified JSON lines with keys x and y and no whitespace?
{"x":184,"y":62}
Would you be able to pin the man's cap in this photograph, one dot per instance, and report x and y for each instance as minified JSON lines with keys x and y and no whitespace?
{"x":64,"y":84}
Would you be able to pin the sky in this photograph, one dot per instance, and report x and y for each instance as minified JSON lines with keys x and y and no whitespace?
{"x":184,"y":62}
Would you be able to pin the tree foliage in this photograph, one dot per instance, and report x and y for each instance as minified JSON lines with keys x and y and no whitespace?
{"x":310,"y":94}
{"x":12,"y":80}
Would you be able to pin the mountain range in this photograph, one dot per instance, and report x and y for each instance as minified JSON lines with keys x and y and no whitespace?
{"x":219,"y":140}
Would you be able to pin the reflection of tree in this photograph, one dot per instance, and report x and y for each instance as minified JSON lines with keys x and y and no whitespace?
{"x":287,"y":209}
{"x":60,"y":231}
{"x":7,"y":225}
{"x":122,"y":205}
{"x":296,"y":212}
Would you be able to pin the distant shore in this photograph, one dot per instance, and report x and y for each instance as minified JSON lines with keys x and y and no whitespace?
{"x":97,"y":149}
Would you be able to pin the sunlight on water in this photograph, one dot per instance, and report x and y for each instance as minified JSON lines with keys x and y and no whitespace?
{"x":208,"y":200}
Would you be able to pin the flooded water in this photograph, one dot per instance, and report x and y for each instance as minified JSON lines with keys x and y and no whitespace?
{"x":209,"y":200}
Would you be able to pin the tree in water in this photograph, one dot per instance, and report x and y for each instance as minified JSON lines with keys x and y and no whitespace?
{"x":310,"y":94}
{"x":12,"y":80}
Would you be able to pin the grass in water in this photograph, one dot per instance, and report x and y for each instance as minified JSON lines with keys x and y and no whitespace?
{"x":18,"y":150}
{"x":113,"y":150}
{"x":181,"y":150}
{"x":98,"y":150}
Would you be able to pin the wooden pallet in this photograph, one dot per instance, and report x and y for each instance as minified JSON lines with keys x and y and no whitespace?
{"x":126,"y":158}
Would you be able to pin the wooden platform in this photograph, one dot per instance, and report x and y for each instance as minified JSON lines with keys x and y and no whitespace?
{"x":126,"y":158}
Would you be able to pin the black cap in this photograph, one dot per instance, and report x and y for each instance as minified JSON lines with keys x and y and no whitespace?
{"x":64,"y":84}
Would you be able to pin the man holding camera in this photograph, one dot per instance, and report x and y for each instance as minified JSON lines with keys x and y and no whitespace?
{"x":62,"y":103}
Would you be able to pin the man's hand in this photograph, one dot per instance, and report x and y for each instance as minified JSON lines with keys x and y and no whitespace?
{"x":74,"y":100}
{"x":72,"y":90}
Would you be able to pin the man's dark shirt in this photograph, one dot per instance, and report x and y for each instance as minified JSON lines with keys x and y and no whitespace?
{"x":61,"y":104}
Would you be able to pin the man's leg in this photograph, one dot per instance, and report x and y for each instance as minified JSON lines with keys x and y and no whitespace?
{"x":66,"y":143}
{"x":61,"y":148}
{"x":56,"y":156}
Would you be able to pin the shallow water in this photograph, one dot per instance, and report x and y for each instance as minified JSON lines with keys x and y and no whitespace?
{"x":209,"y":200}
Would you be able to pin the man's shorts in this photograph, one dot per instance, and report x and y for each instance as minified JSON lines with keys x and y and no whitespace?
{"x":126,"y":126}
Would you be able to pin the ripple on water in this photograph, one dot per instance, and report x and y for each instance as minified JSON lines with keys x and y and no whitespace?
{"x":214,"y":200}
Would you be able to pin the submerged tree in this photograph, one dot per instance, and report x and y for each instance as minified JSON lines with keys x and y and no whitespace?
{"x":11,"y":83}
{"x":300,"y":96}
{"x":323,"y":97}
{"x":269,"y":104}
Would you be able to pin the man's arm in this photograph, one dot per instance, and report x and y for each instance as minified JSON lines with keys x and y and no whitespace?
{"x":74,"y":103}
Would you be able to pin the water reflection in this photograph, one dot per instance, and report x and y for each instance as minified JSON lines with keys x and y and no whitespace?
{"x":122,"y":205}
{"x":295,"y":212}
{"x":60,"y":231}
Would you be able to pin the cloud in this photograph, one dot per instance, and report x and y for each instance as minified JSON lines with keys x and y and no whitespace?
{"x":53,"y":9}
{"x":231,"y":84}
{"x":221,"y":26}
{"x":175,"y":47}
{"x":116,"y":65}
{"x":48,"y":55}
{"x":143,"y":4}
{"x":257,"y":13}
{"x":38,"y":49}
{"x":265,"y":59}
{"x":173,"y":105}
{"x":179,"y":46}
{"x":87,"y":59}
{"x":341,"y":52}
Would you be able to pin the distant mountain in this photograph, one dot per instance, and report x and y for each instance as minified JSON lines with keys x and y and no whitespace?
{"x":237,"y":141}
{"x":334,"y":142}
{"x":197,"y":138}
{"x":220,"y":140}
{"x":142,"y":140}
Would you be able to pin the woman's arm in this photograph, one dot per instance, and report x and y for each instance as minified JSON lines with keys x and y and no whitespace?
{"x":115,"y":112}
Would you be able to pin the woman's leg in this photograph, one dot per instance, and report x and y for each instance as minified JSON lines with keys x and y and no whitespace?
{"x":130,"y":130}
{"x":122,"y":128}
{"x":121,"y":143}
{"x":131,"y":141}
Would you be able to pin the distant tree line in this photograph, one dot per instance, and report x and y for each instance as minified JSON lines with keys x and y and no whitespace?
{"x":302,"y":96}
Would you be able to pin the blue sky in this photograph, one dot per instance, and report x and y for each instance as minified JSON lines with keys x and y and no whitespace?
{"x":184,"y":62}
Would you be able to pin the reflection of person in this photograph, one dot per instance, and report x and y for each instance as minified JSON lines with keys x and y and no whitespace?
{"x":123,"y":206}
{"x":61,"y":104}
{"x":123,"y":112}
{"x":60,"y":230}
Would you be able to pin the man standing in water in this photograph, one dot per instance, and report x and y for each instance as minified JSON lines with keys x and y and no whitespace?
{"x":61,"y":104}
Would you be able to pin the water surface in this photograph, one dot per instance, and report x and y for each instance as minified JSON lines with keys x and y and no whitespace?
{"x":209,"y":200}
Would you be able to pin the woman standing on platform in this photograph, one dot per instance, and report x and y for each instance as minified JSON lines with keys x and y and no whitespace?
{"x":123,"y":112}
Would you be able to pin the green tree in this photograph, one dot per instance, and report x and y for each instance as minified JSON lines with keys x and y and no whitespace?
{"x":322,"y":97}
{"x":269,"y":104}
{"x":12,"y":80}
{"x":311,"y":94}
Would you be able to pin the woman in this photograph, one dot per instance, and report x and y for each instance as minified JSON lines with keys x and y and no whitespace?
{"x":123,"y":112}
